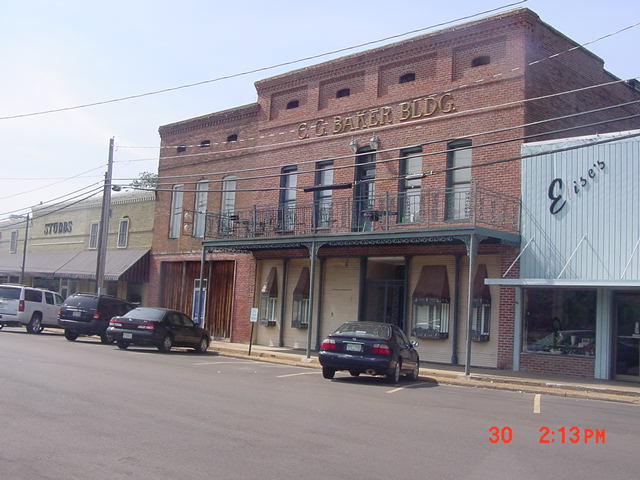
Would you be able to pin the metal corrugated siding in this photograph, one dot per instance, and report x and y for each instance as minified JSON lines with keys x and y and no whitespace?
{"x":607,"y":210}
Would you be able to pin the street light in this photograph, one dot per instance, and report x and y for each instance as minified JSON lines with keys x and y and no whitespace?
{"x":24,"y":246}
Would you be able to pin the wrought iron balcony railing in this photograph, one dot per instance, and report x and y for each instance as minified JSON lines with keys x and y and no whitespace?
{"x":414,"y":209}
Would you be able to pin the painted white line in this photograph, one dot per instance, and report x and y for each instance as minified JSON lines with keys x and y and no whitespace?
{"x":536,"y":403}
{"x":401,"y":388}
{"x":217,"y":363}
{"x":296,"y":374}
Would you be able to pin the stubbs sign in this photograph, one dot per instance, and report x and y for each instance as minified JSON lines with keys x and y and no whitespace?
{"x":375,"y":117}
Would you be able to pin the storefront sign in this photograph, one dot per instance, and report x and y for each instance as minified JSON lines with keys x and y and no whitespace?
{"x":58,"y":228}
{"x":375,"y":117}
{"x":556,"y":191}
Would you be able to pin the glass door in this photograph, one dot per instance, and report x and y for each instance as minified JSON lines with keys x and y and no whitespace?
{"x":627,"y":322}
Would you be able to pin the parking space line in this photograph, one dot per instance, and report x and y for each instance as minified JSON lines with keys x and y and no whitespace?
{"x":217,"y":363}
{"x":296,"y":374}
{"x":394,"y":390}
{"x":536,"y":403}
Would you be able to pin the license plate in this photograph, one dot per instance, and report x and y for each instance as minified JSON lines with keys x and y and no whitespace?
{"x":354,"y":347}
{"x":77,"y":314}
{"x":127,"y":336}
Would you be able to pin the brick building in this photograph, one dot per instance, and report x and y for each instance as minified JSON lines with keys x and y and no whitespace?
{"x":364,"y":188}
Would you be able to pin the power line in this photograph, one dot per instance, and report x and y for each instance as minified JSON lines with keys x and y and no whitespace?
{"x":257,"y":70}
{"x":44,"y":204}
{"x":459,"y":87}
{"x":51,"y":184}
{"x":375,"y":129}
{"x":399,"y":177}
{"x":271,"y":167}
{"x":63,"y":207}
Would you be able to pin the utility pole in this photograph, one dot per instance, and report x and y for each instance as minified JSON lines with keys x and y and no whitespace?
{"x":104,"y":221}
{"x":24,"y":251}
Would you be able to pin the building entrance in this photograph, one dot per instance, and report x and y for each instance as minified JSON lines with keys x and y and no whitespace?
{"x":627,"y":348}
{"x":385,"y":290}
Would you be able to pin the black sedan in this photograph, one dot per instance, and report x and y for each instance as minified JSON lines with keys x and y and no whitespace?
{"x":160,"y":327}
{"x":373,"y":348}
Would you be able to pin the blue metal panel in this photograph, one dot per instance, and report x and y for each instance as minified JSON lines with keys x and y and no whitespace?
{"x":598,"y":200}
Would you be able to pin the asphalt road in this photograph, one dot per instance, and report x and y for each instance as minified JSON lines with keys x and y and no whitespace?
{"x":84,"y":410}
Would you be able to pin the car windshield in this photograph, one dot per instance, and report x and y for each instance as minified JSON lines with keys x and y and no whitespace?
{"x":362,"y":329}
{"x":144,"y":313}
{"x":10,"y":293}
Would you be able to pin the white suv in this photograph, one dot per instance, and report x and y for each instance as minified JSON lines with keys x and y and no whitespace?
{"x":34,"y":308}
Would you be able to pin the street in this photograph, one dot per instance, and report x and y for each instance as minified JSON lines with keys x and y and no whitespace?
{"x":83,"y":410}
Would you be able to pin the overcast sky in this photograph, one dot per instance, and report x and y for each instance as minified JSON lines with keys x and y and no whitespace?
{"x":64,"y":53}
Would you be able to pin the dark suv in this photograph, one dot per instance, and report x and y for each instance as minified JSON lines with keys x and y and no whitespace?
{"x":89,"y":314}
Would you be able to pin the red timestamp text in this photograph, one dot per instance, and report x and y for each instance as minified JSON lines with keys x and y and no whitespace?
{"x":549,"y":435}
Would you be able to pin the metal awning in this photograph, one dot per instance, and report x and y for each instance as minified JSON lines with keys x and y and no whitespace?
{"x":73,"y":264}
{"x":554,"y":282}
{"x":270,"y":287}
{"x":433,"y":284}
{"x":302,"y":287}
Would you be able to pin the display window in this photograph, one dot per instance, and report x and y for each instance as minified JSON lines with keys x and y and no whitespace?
{"x":560,"y":322}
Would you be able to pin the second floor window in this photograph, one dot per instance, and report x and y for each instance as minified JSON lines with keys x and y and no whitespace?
{"x":323,"y":198}
{"x":200,"y":208}
{"x":175,"y":224}
{"x":14,"y":242}
{"x":93,"y":235}
{"x":123,"y":233}
{"x":288,"y":184}
{"x":410,"y":185}
{"x":228,"y":205}
{"x":458,"y":195}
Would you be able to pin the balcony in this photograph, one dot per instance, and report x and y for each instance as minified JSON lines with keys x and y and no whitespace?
{"x":417,"y":211}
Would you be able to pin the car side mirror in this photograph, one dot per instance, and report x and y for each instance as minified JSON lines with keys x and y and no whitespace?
{"x":414,"y":344}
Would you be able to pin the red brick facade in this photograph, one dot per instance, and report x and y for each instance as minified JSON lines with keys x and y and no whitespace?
{"x":469,"y":79}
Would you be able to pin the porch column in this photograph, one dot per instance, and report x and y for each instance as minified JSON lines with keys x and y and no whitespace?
{"x":472,"y":253}
{"x":313,"y":255}
{"x":201,"y":301}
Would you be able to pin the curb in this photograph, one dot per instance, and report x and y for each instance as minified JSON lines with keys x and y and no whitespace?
{"x":456,"y":379}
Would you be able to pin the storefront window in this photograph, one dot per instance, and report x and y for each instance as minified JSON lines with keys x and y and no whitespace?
{"x":560,"y":322}
{"x":431,"y":303}
{"x":300,"y":317}
{"x":267,"y":313}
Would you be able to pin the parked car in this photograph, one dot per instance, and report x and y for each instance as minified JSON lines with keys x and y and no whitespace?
{"x":34,"y":308}
{"x":160,"y":327}
{"x":374,"y":348}
{"x":89,"y":314}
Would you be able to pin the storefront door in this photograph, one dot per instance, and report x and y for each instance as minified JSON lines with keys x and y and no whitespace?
{"x":627,"y":322}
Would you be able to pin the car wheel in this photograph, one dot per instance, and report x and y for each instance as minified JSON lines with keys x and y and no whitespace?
{"x":413,"y":376}
{"x":35,"y":325}
{"x":70,"y":335}
{"x":105,"y":339}
{"x":167,"y":343}
{"x":123,"y":345}
{"x":354,"y":373}
{"x":393,"y":376}
{"x":203,"y":346}
{"x":328,"y":372}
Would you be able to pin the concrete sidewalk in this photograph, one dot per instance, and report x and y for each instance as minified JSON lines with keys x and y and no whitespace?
{"x":624,"y":392}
